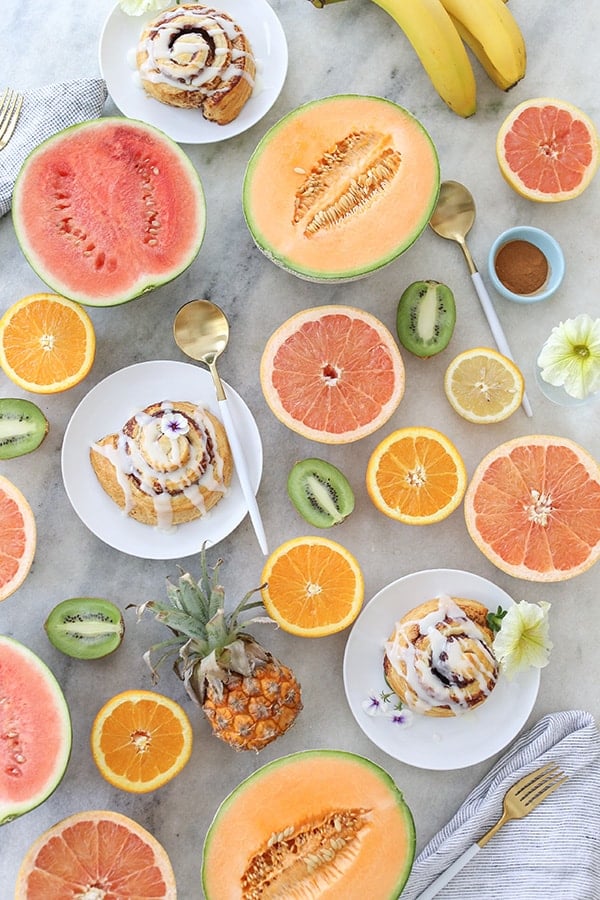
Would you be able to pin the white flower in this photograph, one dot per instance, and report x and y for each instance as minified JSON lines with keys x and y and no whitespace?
{"x":173,"y":424}
{"x":570,"y":358}
{"x":139,"y":7}
{"x":400,"y":716}
{"x":523,"y":638}
{"x":373,"y":705}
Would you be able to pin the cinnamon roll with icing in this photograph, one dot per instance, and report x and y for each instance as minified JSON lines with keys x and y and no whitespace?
{"x":197,"y":57}
{"x":169,"y":464}
{"x":439,"y":659}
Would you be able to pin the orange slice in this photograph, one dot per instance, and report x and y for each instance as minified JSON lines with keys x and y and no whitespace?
{"x":416,"y":476}
{"x":313,"y":587}
{"x":333,"y":374}
{"x":18,"y":538}
{"x":548,"y":150}
{"x":96,"y":854}
{"x":483,"y":386}
{"x":141,"y":740}
{"x":47,"y":343}
{"x":533,"y":508}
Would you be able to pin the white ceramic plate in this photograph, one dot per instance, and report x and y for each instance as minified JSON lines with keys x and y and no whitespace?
{"x":263,"y":29}
{"x":432,"y":743}
{"x":104,"y":410}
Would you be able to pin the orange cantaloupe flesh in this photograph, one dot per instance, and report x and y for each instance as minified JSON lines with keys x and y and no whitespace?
{"x":299,"y":789}
{"x":372,"y":237}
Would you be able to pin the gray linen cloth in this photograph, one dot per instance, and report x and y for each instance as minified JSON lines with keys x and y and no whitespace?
{"x":554,"y":852}
{"x":46,"y":111}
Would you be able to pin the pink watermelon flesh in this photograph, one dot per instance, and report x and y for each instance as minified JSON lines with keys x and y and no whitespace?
{"x":35,"y":730}
{"x":108,"y":210}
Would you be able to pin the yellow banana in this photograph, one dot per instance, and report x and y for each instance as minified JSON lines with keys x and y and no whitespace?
{"x":438,"y":46}
{"x":490,"y":30}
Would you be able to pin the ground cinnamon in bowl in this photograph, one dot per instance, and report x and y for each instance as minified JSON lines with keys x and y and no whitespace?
{"x":521,"y":267}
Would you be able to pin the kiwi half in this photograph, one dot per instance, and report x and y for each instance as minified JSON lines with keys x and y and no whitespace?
{"x":320,"y":492}
{"x":426,"y":317}
{"x":23,"y":427}
{"x":85,"y":627}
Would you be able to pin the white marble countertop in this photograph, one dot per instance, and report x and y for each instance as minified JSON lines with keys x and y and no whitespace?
{"x":348,"y":47}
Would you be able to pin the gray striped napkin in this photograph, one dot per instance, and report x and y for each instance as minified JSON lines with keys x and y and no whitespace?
{"x":45,"y":111}
{"x":554,"y":852}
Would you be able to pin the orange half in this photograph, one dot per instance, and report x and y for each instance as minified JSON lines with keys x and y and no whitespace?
{"x":313,"y":587}
{"x":47,"y":343}
{"x":416,"y":476}
{"x":141,"y":740}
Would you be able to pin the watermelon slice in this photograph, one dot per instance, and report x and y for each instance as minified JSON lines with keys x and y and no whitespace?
{"x":35,"y":730}
{"x":107,"y":210}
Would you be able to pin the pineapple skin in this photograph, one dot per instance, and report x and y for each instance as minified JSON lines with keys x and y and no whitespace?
{"x":254,"y":709}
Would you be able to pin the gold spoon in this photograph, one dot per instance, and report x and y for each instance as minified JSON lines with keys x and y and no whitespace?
{"x":453,"y":218}
{"x":201,"y":330}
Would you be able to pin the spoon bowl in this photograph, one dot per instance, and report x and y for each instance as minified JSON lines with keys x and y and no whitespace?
{"x":454,"y":215}
{"x":453,"y":218}
{"x":201,"y":331}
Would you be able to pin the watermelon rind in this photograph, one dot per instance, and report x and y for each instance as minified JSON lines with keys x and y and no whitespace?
{"x":112,"y":234}
{"x":280,"y":258}
{"x":36,"y":716}
{"x":277,"y":764}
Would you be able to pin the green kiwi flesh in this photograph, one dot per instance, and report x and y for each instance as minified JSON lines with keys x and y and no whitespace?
{"x":23,"y":427}
{"x":320,"y":492}
{"x":426,"y":317}
{"x":85,"y":627}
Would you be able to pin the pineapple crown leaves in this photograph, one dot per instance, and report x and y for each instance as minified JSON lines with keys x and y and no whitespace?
{"x":207,"y":642}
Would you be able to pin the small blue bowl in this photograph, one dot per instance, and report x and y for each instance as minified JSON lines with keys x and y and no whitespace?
{"x":549,"y":247}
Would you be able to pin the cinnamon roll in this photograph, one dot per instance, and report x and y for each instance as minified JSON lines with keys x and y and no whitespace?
{"x":197,"y":57}
{"x":169,"y":464}
{"x":439,"y":659}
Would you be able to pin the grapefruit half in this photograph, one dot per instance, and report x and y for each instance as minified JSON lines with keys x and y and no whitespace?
{"x":17,"y":538}
{"x":96,"y":854}
{"x":333,"y":374}
{"x":533,"y":508}
{"x":548,"y":150}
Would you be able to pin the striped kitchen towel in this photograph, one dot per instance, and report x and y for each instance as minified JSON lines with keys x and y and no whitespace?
{"x":46,"y":111}
{"x":551,"y":854}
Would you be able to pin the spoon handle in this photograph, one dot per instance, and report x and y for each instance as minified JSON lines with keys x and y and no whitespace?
{"x":242,"y":471}
{"x":496,"y":328}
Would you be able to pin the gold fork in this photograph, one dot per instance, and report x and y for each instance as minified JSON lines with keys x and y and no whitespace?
{"x":521,"y":799}
{"x":10,"y":107}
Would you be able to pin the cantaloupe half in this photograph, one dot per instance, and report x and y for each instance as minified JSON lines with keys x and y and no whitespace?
{"x":340,"y":187}
{"x":319,"y":823}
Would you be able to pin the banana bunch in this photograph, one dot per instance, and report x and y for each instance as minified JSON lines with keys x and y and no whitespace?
{"x":439,"y":32}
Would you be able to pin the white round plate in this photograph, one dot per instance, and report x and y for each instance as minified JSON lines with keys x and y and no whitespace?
{"x":428,"y":742}
{"x":263,"y":29}
{"x":105,"y":410}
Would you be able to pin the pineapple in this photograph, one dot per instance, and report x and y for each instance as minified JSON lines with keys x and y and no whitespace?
{"x":248,"y":696}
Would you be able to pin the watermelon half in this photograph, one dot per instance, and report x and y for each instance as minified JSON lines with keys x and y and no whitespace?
{"x":35,"y":730}
{"x":107,"y":210}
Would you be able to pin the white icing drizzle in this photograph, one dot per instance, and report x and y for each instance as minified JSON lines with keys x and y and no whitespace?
{"x":453,"y":663}
{"x":193,"y":49}
{"x":162,"y":465}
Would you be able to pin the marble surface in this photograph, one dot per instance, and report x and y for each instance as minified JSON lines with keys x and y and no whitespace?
{"x":349,"y":47}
